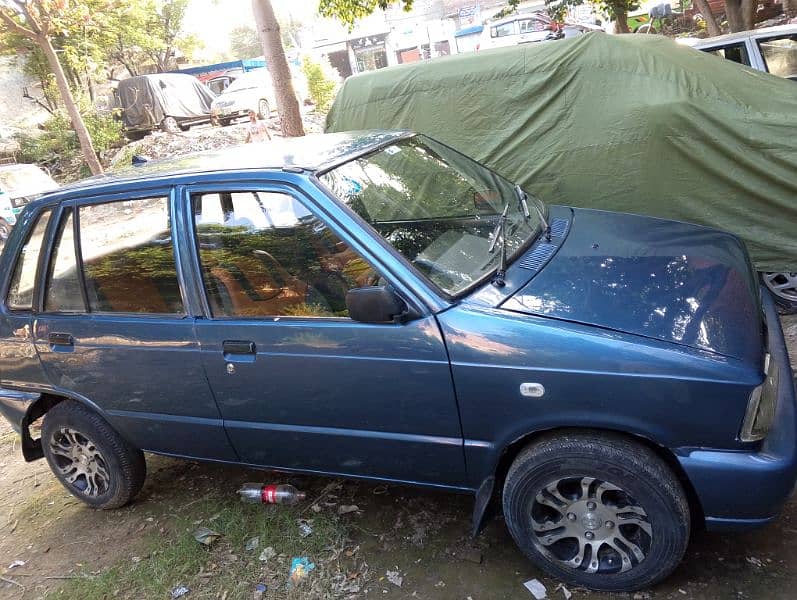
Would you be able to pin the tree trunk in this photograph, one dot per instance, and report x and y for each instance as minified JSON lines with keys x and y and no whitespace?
{"x":790,"y":8}
{"x":621,"y":22}
{"x":734,"y":14}
{"x":748,"y":13}
{"x":71,"y":107}
{"x":711,"y":21}
{"x":269,"y":32}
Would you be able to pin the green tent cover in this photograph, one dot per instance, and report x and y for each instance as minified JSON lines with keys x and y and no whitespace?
{"x":632,"y":123}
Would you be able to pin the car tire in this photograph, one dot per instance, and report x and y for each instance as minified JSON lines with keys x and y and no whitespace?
{"x":91,"y":460}
{"x":225,"y":122}
{"x":597,"y":510}
{"x":263,"y":109}
{"x":784,"y":289}
{"x":5,"y":230}
{"x":169,"y":125}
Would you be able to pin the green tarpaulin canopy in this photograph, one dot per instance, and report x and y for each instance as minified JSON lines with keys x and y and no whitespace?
{"x":633,"y":123}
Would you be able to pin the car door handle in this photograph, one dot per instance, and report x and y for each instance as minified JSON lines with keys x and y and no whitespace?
{"x":238,"y":347}
{"x":61,"y":341}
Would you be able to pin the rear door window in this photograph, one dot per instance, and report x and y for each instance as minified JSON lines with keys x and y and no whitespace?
{"x":128,"y":257}
{"x":20,"y":292}
{"x":780,"y":56}
{"x":63,"y":291}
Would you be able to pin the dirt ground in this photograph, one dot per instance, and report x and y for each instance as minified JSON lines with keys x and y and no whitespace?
{"x":421,"y":535}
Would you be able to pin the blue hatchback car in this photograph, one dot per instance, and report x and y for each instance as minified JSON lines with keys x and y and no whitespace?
{"x":377,"y":305}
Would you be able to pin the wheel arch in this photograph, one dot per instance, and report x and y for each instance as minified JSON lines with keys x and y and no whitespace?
{"x":494,"y":483}
{"x":32,"y":448}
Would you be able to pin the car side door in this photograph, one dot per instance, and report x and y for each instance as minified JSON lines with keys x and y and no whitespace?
{"x":112,"y":326}
{"x":300,"y":384}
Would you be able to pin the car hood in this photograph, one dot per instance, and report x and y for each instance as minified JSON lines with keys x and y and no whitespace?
{"x":671,"y":281}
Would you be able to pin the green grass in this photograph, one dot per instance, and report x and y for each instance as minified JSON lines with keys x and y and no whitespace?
{"x":174,"y":557}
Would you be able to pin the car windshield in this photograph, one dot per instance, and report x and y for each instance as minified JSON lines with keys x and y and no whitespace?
{"x":438,"y":208}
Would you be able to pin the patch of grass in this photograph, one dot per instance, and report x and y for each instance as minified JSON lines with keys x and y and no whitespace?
{"x":171,"y":556}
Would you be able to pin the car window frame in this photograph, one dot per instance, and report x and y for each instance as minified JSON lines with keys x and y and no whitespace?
{"x":40,"y":263}
{"x":74,"y":204}
{"x":276,"y":187}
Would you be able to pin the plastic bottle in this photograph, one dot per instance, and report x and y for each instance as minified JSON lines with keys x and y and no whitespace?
{"x":257,"y":493}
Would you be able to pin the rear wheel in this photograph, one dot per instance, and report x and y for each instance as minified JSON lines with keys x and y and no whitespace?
{"x":783,"y":287}
{"x":597,"y":510}
{"x":89,"y":458}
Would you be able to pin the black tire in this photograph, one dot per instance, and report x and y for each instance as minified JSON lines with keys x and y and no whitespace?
{"x":98,"y":448}
{"x":225,"y":122}
{"x":628,"y":477}
{"x":783,"y":287}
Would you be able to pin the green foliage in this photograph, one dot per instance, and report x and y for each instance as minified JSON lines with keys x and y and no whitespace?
{"x":322,"y":82}
{"x":348,"y":11}
{"x":244,"y":42}
{"x":511,"y":6}
{"x":614,"y":9}
{"x":58,"y":144}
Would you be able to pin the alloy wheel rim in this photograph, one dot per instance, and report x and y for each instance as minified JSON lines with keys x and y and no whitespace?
{"x":782,"y":284}
{"x":78,"y":460}
{"x":590,"y":525}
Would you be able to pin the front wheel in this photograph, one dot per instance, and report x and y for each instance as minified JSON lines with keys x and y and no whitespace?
{"x":93,"y":462}
{"x":783,"y":287}
{"x":263,"y":109}
{"x":170,"y":125}
{"x":597,"y":510}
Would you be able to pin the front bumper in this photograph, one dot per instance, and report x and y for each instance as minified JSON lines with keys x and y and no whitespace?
{"x":741,"y":490}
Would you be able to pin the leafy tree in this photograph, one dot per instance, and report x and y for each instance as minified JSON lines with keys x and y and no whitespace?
{"x":348,"y":11}
{"x":616,"y":10}
{"x":274,"y":52}
{"x":39,"y":21}
{"x":244,"y":42}
{"x":321,"y":82}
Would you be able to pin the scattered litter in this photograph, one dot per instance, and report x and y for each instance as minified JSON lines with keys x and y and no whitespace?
{"x":756,"y":562}
{"x":304,"y":528}
{"x":252,"y":544}
{"x":536,"y":588}
{"x":440,"y":584}
{"x":565,"y":592}
{"x":315,"y":508}
{"x":260,"y":589}
{"x":345,"y":509}
{"x":300,"y":568}
{"x":682,"y":591}
{"x":267,"y":554}
{"x":179,"y":592}
{"x":14,"y":526}
{"x":16,"y":563}
{"x":256,"y":493}
{"x":206,"y":536}
{"x":395,"y":578}
{"x":136,"y":559}
{"x":642,"y":596}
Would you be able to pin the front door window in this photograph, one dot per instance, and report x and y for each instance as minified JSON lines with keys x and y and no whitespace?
{"x":263,"y":254}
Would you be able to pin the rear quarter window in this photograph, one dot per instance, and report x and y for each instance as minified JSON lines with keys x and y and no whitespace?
{"x":20,"y":292}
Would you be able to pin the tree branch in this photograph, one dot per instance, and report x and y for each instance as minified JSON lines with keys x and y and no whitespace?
{"x":12,"y":25}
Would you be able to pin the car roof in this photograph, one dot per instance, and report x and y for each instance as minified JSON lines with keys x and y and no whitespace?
{"x":741,"y":35}
{"x":317,"y":152}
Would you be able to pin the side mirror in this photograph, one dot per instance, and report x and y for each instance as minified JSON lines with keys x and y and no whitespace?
{"x":375,"y":304}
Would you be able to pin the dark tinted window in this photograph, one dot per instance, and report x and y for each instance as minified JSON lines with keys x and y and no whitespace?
{"x":128,"y":258}
{"x":20,"y":293}
{"x":265,"y":254}
{"x":734,"y":52}
{"x":63,"y":285}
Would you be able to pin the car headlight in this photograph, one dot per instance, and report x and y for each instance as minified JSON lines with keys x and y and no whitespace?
{"x":761,"y":406}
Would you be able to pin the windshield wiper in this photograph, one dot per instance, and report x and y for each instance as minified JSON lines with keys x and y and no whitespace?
{"x":499,"y":279}
{"x":524,"y":206}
